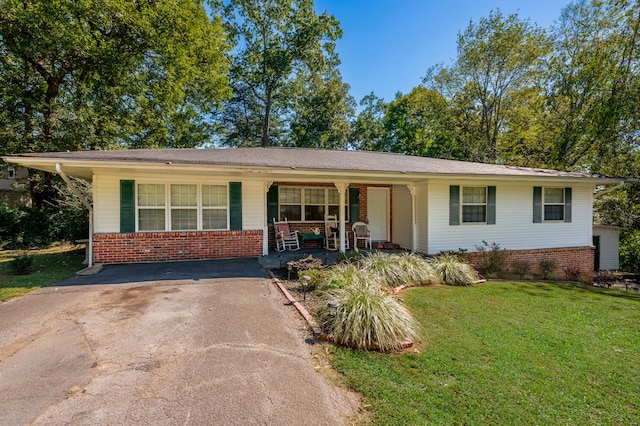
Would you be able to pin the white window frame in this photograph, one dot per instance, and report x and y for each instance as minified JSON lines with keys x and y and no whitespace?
{"x":173,"y":208}
{"x":463,"y":204}
{"x":168,"y":208}
{"x":303,"y":203}
{"x":545,"y":204}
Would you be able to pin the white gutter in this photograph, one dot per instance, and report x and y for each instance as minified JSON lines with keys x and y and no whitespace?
{"x":86,"y":203}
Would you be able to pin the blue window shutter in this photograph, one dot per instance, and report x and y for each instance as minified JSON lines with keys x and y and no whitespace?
{"x":454,"y":205}
{"x":354,"y":204}
{"x":567,"y":204}
{"x":491,"y":205}
{"x":272,"y":204}
{"x":537,"y":204}
{"x":235,"y":206}
{"x":127,"y":206}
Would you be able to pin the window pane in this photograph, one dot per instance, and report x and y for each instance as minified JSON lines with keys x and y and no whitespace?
{"x":334,"y":196}
{"x":314,"y":213}
{"x":314,"y":196}
{"x":214,"y":196}
{"x":473,"y":214}
{"x":476,"y":195}
{"x":554,"y":212}
{"x":290,"y":196}
{"x":554,"y":195}
{"x":290,"y":212}
{"x":151,"y":195}
{"x":151,"y":220}
{"x":335,"y":210}
{"x":214,"y":219}
{"x":184,"y":219}
{"x":184,"y":195}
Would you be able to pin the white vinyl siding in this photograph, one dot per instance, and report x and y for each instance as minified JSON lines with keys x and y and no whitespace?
{"x":106,"y":196}
{"x":401,"y":214}
{"x":609,"y":247}
{"x":422,"y":218}
{"x":514,"y":228}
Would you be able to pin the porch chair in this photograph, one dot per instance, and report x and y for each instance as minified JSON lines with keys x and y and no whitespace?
{"x":285,"y":238}
{"x":332,"y":232}
{"x":361,"y":232}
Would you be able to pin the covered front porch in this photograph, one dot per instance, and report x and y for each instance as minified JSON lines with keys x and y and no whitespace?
{"x":279,"y":260}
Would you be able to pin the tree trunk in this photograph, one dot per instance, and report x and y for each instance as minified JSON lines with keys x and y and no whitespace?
{"x":267,"y":119}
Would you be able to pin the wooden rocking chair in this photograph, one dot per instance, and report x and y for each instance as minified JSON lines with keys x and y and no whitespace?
{"x":285,"y":238}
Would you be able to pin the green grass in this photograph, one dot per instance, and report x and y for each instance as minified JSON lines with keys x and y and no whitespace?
{"x":50,"y":265}
{"x":508,"y":353}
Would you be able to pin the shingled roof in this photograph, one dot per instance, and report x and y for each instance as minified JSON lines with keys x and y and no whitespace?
{"x":302,"y":159}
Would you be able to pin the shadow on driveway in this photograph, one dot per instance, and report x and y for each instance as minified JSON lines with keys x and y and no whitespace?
{"x":167,"y":271}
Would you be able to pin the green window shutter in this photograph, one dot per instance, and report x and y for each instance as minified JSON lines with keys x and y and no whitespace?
{"x":537,"y":204}
{"x":272,"y":204}
{"x":491,"y":205}
{"x":567,"y":204}
{"x":127,"y":206}
{"x":235,"y":206}
{"x":354,"y":204}
{"x":454,"y":205}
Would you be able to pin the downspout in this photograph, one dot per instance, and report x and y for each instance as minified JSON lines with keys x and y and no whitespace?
{"x":86,"y":203}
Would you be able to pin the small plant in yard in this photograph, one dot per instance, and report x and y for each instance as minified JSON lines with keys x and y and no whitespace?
{"x":21,"y":265}
{"x":348,"y":274}
{"x":364,"y":317}
{"x":547,"y":266}
{"x":521,"y":267}
{"x":453,"y":271}
{"x":406,"y":269}
{"x":318,"y":278}
{"x":491,"y":257}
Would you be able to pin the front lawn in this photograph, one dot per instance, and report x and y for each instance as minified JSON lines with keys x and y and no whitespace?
{"x":508,"y":353}
{"x":50,"y":265}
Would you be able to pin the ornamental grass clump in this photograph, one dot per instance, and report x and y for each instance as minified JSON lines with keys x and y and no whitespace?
{"x":406,"y":269}
{"x":348,"y":274}
{"x":364,"y":317}
{"x":453,"y":271}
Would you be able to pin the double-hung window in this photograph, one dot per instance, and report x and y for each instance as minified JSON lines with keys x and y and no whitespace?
{"x":553,"y":203}
{"x":474,"y":204}
{"x":11,"y":173}
{"x":184,"y":207}
{"x":151,"y":207}
{"x":214,"y":207}
{"x":308,"y":204}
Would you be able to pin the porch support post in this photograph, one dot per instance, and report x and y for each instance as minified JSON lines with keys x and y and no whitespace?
{"x":412,"y":190}
{"x":265,"y":230}
{"x":342,"y":191}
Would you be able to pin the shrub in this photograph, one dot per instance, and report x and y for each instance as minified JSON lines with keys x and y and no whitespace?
{"x":348,"y":274}
{"x":319,"y":278}
{"x":407,"y":269}
{"x":491,"y":257}
{"x":21,"y":264}
{"x":453,"y":271}
{"x":547,"y":266}
{"x":630,"y":251}
{"x":521,"y":267}
{"x":366,"y":317}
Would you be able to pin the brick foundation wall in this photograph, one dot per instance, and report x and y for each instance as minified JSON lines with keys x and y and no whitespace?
{"x":166,"y":246}
{"x":572,"y":259}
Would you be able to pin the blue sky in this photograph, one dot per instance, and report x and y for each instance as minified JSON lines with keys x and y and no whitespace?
{"x":387,"y":46}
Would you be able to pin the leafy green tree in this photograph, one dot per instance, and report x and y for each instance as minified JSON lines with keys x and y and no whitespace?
{"x":419,"y":123}
{"x":275,"y":42}
{"x":594,"y":82}
{"x":367,"y":130}
{"x":497,"y":56}
{"x":94,"y":74}
{"x":322,"y":110}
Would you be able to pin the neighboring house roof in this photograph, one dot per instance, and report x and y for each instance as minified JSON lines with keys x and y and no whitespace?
{"x":323,"y":162}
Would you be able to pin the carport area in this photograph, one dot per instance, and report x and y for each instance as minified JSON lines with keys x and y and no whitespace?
{"x":171,"y":343}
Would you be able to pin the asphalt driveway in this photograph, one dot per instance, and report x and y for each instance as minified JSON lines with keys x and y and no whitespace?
{"x":160,"y":348}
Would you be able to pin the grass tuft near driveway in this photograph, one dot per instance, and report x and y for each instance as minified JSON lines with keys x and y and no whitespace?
{"x":50,"y":265}
{"x":508,"y":353}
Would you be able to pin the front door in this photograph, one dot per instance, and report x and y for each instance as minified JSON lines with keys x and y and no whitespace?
{"x":378,"y":213}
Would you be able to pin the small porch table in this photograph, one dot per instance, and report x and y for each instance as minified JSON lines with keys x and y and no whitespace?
{"x":312,"y":237}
